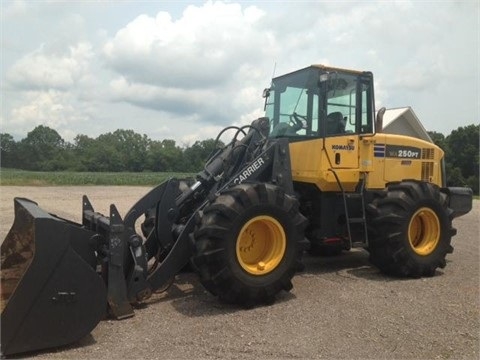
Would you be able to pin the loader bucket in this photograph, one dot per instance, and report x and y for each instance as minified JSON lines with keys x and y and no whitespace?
{"x":51,"y":294}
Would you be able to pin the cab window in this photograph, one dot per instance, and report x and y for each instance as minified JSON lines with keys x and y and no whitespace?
{"x":349,"y":108}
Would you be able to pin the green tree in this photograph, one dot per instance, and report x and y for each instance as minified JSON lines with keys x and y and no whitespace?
{"x":129,"y":149}
{"x":463,"y":149}
{"x":133,"y":149}
{"x":98,"y":154}
{"x":164,"y":155}
{"x":8,"y":146}
{"x":122,"y":150}
{"x":463,"y":154}
{"x":196,"y":155}
{"x":438,"y":139}
{"x":81,"y":153}
{"x":454,"y":176}
{"x":42,"y":149}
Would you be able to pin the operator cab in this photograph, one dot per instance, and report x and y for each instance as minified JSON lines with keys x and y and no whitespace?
{"x":319,"y":101}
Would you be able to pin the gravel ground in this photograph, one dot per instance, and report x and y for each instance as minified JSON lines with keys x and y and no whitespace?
{"x":339,"y":308}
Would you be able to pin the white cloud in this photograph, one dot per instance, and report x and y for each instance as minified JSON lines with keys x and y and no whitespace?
{"x":415,"y":76}
{"x":203,"y":63}
{"x":51,"y":108}
{"x":15,"y":8}
{"x":204,"y":132}
{"x":168,"y":99}
{"x":201,"y":49}
{"x":43,"y":70}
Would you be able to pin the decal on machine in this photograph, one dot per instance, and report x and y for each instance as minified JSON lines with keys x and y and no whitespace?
{"x":245,"y":174}
{"x":396,"y":151}
{"x":404,"y":152}
{"x":343,"y":147}
{"x":379,"y":150}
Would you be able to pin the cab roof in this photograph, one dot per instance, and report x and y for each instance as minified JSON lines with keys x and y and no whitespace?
{"x":325,"y":68}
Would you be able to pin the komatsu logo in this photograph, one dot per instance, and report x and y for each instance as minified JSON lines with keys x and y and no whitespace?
{"x":343,"y":147}
{"x":257,"y":164}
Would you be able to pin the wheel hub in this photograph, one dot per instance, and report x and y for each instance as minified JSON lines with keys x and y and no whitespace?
{"x":261,"y":245}
{"x":424,"y":231}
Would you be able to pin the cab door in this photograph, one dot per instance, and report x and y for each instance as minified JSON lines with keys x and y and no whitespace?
{"x":349,"y":114}
{"x":342,"y":151}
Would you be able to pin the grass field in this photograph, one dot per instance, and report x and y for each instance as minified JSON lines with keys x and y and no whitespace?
{"x":11,"y":177}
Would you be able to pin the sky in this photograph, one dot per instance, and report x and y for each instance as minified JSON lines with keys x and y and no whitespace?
{"x":183,"y":70}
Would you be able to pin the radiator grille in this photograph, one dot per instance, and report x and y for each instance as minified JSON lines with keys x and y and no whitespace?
{"x":428,"y":153}
{"x":427,"y":171}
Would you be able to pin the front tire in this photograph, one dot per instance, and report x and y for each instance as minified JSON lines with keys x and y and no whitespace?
{"x":248,"y":244}
{"x":410,"y":229}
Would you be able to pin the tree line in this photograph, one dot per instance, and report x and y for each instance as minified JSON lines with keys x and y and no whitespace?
{"x":461,"y":148}
{"x":43,"y":149}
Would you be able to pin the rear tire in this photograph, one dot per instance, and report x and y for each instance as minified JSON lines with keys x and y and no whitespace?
{"x":410,"y":229}
{"x":249,"y":243}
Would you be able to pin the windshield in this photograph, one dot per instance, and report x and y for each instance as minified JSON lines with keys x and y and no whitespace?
{"x":292,"y":106}
{"x":313,"y":103}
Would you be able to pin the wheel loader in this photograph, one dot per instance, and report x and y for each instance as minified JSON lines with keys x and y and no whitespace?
{"x":315,"y":174}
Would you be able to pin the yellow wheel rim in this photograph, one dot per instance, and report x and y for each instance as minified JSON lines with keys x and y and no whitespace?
{"x":261,"y":245}
{"x":424,"y":231}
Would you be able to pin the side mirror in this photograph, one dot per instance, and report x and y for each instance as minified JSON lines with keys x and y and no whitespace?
{"x":265,"y":95}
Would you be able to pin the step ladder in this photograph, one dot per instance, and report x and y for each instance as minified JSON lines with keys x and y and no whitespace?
{"x":356,"y":200}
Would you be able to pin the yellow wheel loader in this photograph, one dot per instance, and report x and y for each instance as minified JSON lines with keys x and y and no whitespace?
{"x":315,"y":174}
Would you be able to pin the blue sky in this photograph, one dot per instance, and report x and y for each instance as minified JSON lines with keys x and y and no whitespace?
{"x":183,"y":70}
